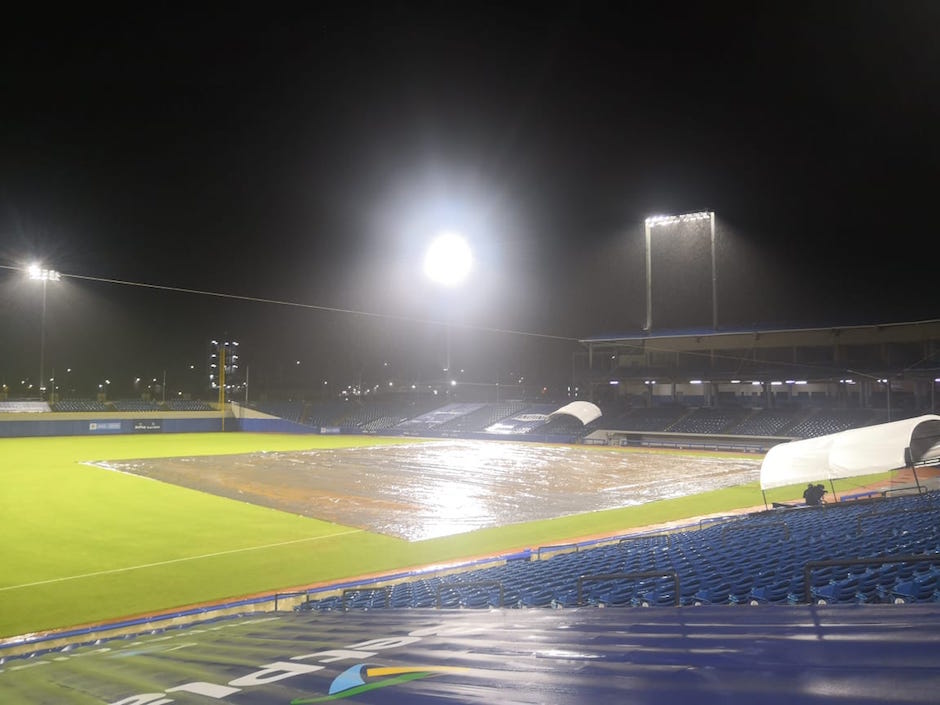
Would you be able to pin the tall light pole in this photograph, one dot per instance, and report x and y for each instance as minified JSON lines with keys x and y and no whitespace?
{"x":448,"y":262}
{"x":659,"y":221}
{"x":38,"y":273}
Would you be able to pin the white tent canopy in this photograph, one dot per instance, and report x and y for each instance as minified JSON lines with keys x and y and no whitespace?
{"x":858,"y":451}
{"x":584,"y":411}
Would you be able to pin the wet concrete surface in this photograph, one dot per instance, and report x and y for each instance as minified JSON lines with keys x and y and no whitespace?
{"x":430,"y":489}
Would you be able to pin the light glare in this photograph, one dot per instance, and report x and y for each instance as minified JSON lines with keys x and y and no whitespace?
{"x":655,"y":220}
{"x":448,"y":260}
{"x":40,"y":273}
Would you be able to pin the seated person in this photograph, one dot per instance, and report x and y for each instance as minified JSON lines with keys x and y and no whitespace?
{"x":813,"y":494}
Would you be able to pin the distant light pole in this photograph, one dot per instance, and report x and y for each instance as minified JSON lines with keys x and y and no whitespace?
{"x":666,"y":220}
{"x":38,"y":273}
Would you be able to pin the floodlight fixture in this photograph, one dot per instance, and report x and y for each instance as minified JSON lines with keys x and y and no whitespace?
{"x":655,"y":221}
{"x":39,"y":273}
{"x":448,"y":260}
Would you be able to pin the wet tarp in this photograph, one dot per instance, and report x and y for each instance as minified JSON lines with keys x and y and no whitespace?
{"x":852,"y":453}
{"x":426,"y":490}
{"x":704,"y":655}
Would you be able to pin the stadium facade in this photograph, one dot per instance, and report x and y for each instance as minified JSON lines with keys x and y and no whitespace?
{"x":892,"y":367}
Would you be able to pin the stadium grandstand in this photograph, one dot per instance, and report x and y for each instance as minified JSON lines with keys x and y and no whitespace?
{"x":789,"y":557}
{"x":662,"y":388}
{"x":799,"y":594}
{"x":891,"y":368}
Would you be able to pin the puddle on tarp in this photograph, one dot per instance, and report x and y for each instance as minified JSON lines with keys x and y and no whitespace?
{"x":430,"y":489}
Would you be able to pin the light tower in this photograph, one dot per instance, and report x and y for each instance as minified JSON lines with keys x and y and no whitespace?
{"x":40,"y":273}
{"x":448,"y":262}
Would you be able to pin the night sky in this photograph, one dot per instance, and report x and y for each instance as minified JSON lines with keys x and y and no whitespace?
{"x":309,"y":156}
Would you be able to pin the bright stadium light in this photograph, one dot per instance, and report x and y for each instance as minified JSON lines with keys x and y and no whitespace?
{"x":37,"y":272}
{"x":655,"y":220}
{"x":658,"y":221}
{"x":448,"y":260}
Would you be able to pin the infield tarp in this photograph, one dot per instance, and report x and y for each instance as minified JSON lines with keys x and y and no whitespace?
{"x":853,"y":453}
{"x":704,"y":655}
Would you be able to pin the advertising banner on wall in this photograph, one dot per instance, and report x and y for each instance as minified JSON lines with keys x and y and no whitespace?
{"x":104,"y":426}
{"x":148,"y":426}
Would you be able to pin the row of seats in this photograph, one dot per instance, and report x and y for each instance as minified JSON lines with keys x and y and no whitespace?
{"x":795,"y":423}
{"x":885,"y":550}
{"x":88,"y":405}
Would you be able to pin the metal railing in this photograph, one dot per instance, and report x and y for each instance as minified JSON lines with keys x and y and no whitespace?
{"x":849,"y":562}
{"x":559,"y":547}
{"x":752,"y":527}
{"x":454,"y":584}
{"x":600,"y":577}
{"x":894,"y":515}
{"x":352,"y":591}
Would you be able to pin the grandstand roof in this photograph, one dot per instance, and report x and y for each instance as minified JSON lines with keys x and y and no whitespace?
{"x":771,"y":337}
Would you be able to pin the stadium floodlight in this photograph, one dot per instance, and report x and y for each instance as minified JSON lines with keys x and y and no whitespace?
{"x":40,"y":273}
{"x":37,"y":272}
{"x":658,"y":221}
{"x":448,"y":260}
{"x":655,"y":220}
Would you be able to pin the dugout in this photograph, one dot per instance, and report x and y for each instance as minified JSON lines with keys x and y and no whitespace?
{"x":908,"y":443}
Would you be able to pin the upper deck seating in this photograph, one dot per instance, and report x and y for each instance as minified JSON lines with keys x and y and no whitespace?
{"x":135,"y":405}
{"x":188,"y":405}
{"x":24,"y":407}
{"x":656,"y":418}
{"x":708,"y":421}
{"x":432,"y":421}
{"x":81,"y":405}
{"x":829,"y":421}
{"x":480,"y":419}
{"x":767,"y":422}
{"x":289,"y":410}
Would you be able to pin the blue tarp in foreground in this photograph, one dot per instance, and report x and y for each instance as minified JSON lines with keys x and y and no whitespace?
{"x":703,"y":655}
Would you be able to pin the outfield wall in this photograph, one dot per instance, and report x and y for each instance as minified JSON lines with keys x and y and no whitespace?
{"x":685,"y":441}
{"x":240,"y":418}
{"x":113,"y":423}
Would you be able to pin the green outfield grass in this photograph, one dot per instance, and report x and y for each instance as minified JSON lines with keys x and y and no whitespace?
{"x":84,"y":544}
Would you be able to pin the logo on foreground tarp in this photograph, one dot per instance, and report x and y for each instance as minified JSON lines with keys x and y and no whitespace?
{"x":364,"y":677}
